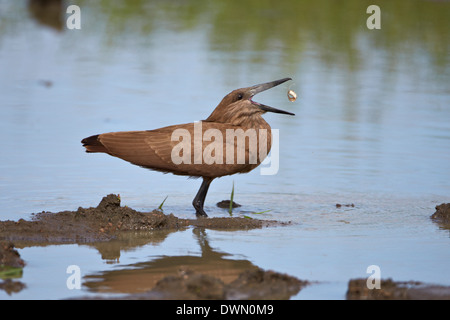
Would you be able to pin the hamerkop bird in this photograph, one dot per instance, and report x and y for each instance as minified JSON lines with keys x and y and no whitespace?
{"x":197,"y":154}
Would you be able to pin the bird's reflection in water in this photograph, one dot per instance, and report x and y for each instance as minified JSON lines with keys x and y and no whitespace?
{"x":47,"y":12}
{"x":143,"y":276}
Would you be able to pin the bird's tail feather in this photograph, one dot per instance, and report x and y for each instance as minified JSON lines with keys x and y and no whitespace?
{"x":92,"y":144}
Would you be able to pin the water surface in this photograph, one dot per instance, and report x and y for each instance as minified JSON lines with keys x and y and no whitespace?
{"x":371,"y":128}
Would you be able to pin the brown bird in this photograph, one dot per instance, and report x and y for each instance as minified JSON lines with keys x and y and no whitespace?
{"x":211,"y":148}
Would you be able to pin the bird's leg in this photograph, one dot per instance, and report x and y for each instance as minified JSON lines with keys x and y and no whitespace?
{"x":199,"y":199}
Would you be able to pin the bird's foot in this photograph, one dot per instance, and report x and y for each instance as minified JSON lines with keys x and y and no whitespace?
{"x":200,"y":213}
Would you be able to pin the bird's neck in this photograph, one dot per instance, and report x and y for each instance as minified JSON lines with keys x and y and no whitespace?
{"x":253,"y":121}
{"x":245,"y":118}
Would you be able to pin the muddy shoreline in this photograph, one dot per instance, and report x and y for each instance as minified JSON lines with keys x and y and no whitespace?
{"x":109,"y":221}
{"x":254,"y":284}
{"x":106,"y":221}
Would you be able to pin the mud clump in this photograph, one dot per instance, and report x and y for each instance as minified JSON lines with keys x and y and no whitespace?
{"x":10,"y":267}
{"x":392,"y":290}
{"x":9,"y":256}
{"x":442,"y":215}
{"x":236,"y":223}
{"x":250,"y":285}
{"x":86,"y":224}
{"x":225,"y":204}
{"x":188,"y":285}
{"x":109,"y":217}
{"x":348,"y":205}
{"x":259,"y":284}
{"x":105,"y":222}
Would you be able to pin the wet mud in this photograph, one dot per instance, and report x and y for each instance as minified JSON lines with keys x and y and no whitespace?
{"x":254,"y":284}
{"x":9,"y":256}
{"x":11,"y":266}
{"x":396,"y":290}
{"x":225,"y":204}
{"x":442,"y":215}
{"x":110,"y":226}
{"x":107,"y":221}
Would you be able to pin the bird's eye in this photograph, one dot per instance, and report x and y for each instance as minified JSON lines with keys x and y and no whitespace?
{"x":239,"y":96}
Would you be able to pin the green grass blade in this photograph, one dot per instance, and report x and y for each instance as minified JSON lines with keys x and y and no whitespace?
{"x":231,"y":200}
{"x":8,"y":272}
{"x":161,"y":205}
{"x":261,"y":212}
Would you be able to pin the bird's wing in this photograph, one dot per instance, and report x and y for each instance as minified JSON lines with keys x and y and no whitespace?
{"x":181,"y":149}
{"x":150,"y":149}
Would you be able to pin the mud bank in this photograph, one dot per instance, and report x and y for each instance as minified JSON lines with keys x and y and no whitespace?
{"x":106,"y":221}
{"x":9,"y":256}
{"x":393,"y":290}
{"x":108,"y":224}
{"x":10,"y":268}
{"x":442,"y":215}
{"x":250,"y":285}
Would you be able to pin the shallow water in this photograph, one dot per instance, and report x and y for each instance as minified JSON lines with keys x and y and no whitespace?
{"x":371,"y":128}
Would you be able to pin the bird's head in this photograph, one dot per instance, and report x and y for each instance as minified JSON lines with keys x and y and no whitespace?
{"x":238,"y":105}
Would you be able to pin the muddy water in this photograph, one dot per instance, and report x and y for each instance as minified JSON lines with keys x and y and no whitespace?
{"x":371,"y":129}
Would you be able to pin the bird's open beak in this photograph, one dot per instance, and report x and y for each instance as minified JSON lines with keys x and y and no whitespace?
{"x":264,"y":86}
